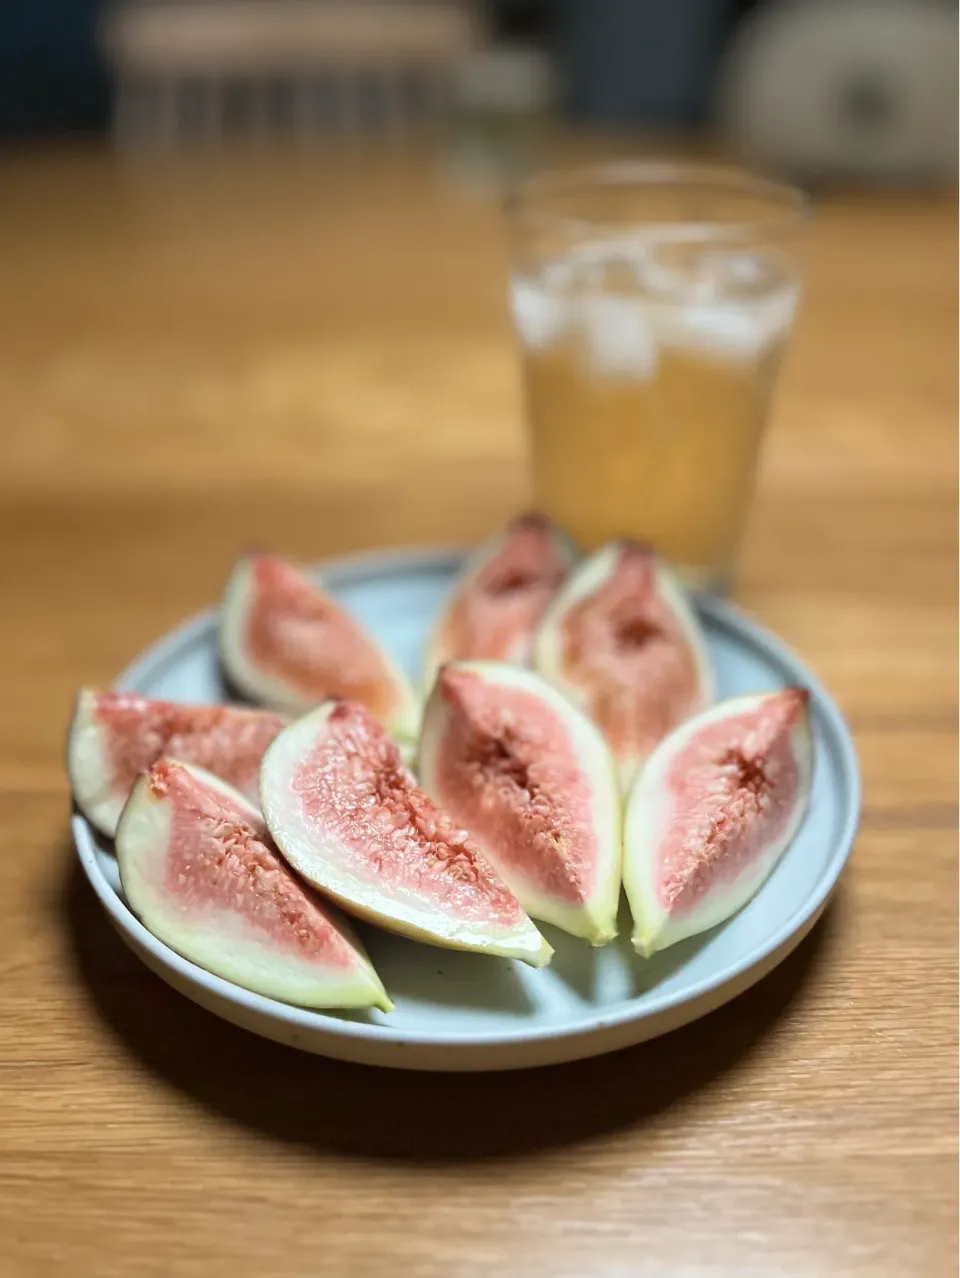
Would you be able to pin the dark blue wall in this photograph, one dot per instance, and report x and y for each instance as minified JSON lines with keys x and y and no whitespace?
{"x":52,"y":79}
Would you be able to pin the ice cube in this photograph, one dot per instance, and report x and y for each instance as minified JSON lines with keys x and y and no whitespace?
{"x":739,"y":331}
{"x":541,"y":314}
{"x":618,"y":336}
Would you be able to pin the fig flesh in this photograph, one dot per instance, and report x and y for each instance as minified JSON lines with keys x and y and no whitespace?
{"x":496,"y":605}
{"x":115,"y":736}
{"x":349,"y":817}
{"x":531,"y":778}
{"x":622,"y":642}
{"x":714,"y":809}
{"x":288,"y":644}
{"x":200,"y":870}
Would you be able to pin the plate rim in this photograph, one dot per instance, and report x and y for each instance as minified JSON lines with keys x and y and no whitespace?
{"x":394,"y":560}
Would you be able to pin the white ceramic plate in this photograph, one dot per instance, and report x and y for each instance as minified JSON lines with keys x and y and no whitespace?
{"x":467,"y":1012}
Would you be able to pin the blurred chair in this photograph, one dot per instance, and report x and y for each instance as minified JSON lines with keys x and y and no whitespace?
{"x":202,"y":71}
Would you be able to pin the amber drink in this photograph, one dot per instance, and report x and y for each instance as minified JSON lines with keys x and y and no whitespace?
{"x":652,"y":307}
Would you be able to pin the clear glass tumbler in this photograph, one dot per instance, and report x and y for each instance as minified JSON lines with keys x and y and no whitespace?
{"x":652,"y":304}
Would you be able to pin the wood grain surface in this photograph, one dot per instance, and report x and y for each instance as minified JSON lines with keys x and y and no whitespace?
{"x":314,"y":354}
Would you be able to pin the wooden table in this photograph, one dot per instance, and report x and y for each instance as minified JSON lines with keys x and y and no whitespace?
{"x":314,"y":354}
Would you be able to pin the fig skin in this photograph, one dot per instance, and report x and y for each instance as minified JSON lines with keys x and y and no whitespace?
{"x":604,"y":690}
{"x":378,"y":845}
{"x":550,"y":887}
{"x":285,"y":691}
{"x":230,"y":904}
{"x":101,"y":779}
{"x":513,"y":567}
{"x":711,"y":889}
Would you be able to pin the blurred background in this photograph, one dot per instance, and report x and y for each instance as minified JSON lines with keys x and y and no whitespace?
{"x":254,"y":291}
{"x":255,"y":272}
{"x":820,"y":88}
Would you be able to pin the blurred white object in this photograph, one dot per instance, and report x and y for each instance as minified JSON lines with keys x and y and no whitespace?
{"x":845,"y":88}
{"x":505,"y":79}
{"x":500,"y":100}
{"x":189,"y":71}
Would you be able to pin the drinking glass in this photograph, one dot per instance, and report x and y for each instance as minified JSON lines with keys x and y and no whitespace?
{"x":652,"y":304}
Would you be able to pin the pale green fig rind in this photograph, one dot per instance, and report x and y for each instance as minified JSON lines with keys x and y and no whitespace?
{"x":437,"y":651}
{"x":89,"y":768}
{"x":679,"y":599}
{"x":272,"y":690}
{"x":653,"y":929}
{"x":141,"y":831}
{"x":596,"y":920}
{"x":585,"y":579}
{"x":320,"y":865}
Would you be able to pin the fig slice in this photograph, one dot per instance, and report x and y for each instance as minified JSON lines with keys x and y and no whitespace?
{"x":288,"y":644}
{"x":622,"y":642}
{"x":349,"y":817}
{"x":114,"y":736}
{"x":496,"y":605}
{"x":198,"y":867}
{"x":532,"y":779}
{"x":715,"y":807}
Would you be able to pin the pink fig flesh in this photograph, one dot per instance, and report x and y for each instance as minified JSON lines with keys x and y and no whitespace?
{"x":533,"y":781}
{"x":350,"y":818}
{"x":115,"y":736}
{"x":623,"y":644}
{"x":198,"y":867}
{"x":286,"y":642}
{"x":495,"y":608}
{"x":715,"y":807}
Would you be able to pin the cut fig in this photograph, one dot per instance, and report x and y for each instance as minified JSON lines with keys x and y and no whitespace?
{"x":715,"y":807}
{"x":496,"y":606}
{"x":622,"y":642}
{"x":286,"y":643}
{"x":531,"y":778}
{"x":200,"y":870}
{"x":349,"y":817}
{"x":115,"y":736}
